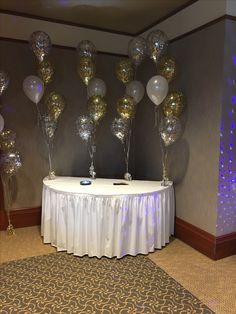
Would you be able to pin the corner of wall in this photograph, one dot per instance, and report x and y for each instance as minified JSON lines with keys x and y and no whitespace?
{"x":226,"y":218}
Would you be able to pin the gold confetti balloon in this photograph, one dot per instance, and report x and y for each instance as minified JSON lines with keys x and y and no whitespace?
{"x":126,"y":107}
{"x":97,"y":107}
{"x":173,"y":104}
{"x":125,"y":71}
{"x":46,"y":71}
{"x":55,"y":104}
{"x":86,"y":69}
{"x":167,"y":68}
{"x":7,"y":140}
{"x":10,"y":163}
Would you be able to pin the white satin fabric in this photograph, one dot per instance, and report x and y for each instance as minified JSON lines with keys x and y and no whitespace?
{"x":103,"y":219}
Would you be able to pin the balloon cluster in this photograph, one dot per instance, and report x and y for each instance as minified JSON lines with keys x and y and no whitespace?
{"x":96,"y":92}
{"x":157,"y":88}
{"x":10,"y":160}
{"x":134,"y":91}
{"x":35,"y":86}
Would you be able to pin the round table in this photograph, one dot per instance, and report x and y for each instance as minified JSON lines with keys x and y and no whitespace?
{"x":103,"y":219}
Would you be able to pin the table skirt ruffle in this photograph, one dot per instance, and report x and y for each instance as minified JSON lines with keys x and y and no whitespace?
{"x":111,"y":226}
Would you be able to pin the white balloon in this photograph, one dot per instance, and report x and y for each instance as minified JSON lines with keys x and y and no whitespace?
{"x":157,"y":89}
{"x":1,"y":123}
{"x":135,"y":89}
{"x":33,"y":88}
{"x":96,"y":87}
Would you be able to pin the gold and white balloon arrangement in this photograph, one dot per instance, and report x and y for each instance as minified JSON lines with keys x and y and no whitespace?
{"x":96,"y":104}
{"x":10,"y":160}
{"x":134,"y":91}
{"x":35,"y":87}
{"x":169,"y":104}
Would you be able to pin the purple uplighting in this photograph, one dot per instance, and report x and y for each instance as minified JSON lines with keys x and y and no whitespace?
{"x":234,"y":60}
{"x":233,"y":99}
{"x":227,"y":169}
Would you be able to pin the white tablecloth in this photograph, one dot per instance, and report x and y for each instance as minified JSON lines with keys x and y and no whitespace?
{"x":103,"y":219}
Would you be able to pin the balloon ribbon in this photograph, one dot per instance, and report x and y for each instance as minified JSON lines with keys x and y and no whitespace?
{"x":8,"y":203}
{"x":127,"y":146}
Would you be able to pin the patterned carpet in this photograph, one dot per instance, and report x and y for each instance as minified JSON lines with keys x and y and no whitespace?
{"x":62,"y":283}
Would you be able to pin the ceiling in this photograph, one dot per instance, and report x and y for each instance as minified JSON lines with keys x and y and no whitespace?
{"x":122,"y":16}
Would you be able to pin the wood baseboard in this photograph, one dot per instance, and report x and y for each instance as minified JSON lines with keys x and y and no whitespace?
{"x":197,"y":238}
{"x":225,"y":245}
{"x":204,"y":242}
{"x":1,"y":194}
{"x":21,"y":218}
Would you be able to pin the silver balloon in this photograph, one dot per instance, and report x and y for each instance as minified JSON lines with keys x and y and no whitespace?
{"x":33,"y":88}
{"x":170,"y":130}
{"x":40,"y":43}
{"x":135,"y":89}
{"x":157,"y":89}
{"x":120,"y":128}
{"x":4,"y":81}
{"x":137,"y":50}
{"x":85,"y":127}
{"x":86,"y":48}
{"x":49,"y":126}
{"x":157,"y":43}
{"x":96,"y":87}
{"x":10,"y":162}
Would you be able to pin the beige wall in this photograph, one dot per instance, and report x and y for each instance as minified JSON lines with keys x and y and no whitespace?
{"x":193,"y":159}
{"x":71,"y":157}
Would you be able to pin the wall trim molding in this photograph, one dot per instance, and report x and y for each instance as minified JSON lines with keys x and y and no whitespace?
{"x":20,"y":218}
{"x":211,"y":23}
{"x":197,"y":238}
{"x":63,"y":22}
{"x":225,"y":245}
{"x":195,"y":30}
{"x":204,"y":242}
{"x":221,"y":18}
{"x":87,"y":26}
{"x":184,"y":6}
{"x":18,"y":27}
{"x":192,"y":17}
{"x":23,"y":41}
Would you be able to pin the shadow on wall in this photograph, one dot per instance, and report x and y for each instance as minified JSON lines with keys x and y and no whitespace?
{"x":9,"y":192}
{"x":16,"y":191}
{"x":178,"y":160}
{"x":13,"y":188}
